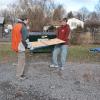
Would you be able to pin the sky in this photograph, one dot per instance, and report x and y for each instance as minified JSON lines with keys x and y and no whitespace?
{"x":69,"y":5}
{"x":4,"y":3}
{"x":75,"y":5}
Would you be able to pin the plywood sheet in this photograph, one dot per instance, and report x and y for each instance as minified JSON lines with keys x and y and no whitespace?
{"x":47,"y":42}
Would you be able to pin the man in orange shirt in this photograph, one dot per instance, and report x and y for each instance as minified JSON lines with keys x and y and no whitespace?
{"x":19,"y":36}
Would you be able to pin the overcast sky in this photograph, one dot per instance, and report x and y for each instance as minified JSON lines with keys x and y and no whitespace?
{"x":69,"y":5}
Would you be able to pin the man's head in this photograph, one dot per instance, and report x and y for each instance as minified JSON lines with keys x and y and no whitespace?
{"x":64,"y":21}
{"x":25,"y":20}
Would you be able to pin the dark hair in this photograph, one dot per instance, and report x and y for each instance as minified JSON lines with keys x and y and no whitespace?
{"x":24,"y":18}
{"x":65,"y":19}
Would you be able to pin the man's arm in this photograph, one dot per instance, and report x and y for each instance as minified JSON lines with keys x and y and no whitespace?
{"x":24,"y":32}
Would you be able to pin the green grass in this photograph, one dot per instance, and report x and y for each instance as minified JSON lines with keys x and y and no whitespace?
{"x":75,"y":53}
{"x":82,"y":54}
{"x":6,"y":54}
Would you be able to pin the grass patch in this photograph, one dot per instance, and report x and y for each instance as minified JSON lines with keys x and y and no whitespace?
{"x":75,"y":53}
{"x":82,"y":53}
{"x":6,"y":54}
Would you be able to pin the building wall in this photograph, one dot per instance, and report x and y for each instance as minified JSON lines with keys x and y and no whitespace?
{"x":73,"y":23}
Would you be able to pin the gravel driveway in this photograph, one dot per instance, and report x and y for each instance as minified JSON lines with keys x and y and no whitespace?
{"x":78,"y":81}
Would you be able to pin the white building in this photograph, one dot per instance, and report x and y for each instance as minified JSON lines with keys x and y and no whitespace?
{"x":73,"y":23}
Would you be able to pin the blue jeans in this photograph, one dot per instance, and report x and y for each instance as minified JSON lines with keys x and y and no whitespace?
{"x":60,"y":51}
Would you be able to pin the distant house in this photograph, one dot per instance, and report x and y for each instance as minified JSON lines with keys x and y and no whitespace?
{"x":1,"y":26}
{"x":73,"y":23}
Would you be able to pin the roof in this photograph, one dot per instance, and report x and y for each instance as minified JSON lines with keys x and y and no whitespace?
{"x":1,"y":20}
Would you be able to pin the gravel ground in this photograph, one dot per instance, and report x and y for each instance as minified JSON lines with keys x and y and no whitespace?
{"x":78,"y":81}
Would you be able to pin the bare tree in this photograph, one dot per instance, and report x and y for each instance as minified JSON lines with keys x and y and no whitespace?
{"x":70,"y":15}
{"x":97,"y":8}
{"x":39,"y":12}
{"x":59,"y":12}
{"x":83,"y":12}
{"x":93,"y":16}
{"x":93,"y":24}
{"x":78,"y":16}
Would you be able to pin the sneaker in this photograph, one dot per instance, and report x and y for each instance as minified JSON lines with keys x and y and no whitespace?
{"x":56,"y":66}
{"x":53,"y":66}
{"x":62,"y":68}
{"x":22,"y":77}
{"x":15,"y":64}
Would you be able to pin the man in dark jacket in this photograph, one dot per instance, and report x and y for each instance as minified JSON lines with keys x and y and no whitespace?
{"x":63,"y":33}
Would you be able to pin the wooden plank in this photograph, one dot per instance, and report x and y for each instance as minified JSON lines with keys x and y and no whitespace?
{"x":47,"y":42}
{"x":37,"y":44}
